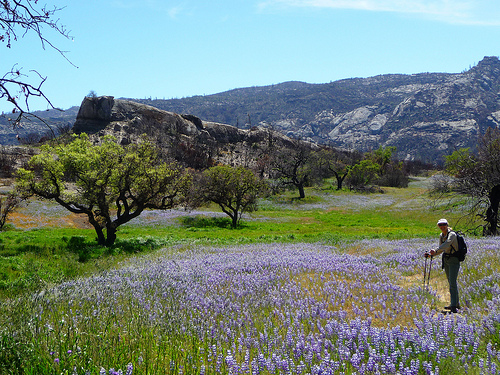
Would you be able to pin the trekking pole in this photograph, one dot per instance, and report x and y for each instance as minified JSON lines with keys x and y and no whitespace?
{"x":429,"y":273}
{"x":425,"y":268}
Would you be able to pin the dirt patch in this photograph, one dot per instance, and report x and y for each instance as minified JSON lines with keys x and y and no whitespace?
{"x":437,"y":282}
{"x":24,"y":221}
{"x":79,"y":221}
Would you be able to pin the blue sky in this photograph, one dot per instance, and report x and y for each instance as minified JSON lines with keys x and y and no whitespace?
{"x":179,"y":48}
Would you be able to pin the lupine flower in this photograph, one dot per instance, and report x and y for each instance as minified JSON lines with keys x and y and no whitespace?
{"x":297,"y":308}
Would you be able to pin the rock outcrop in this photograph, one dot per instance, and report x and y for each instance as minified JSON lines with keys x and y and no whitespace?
{"x":127,"y":121}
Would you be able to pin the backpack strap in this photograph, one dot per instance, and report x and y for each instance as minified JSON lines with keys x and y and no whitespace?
{"x":454,"y":250}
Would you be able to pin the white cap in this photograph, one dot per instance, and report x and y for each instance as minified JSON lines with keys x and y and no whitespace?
{"x":442,"y":221}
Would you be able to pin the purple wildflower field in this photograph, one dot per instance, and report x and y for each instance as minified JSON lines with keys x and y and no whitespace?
{"x":355,"y":308}
{"x":354,"y":202}
{"x":44,"y":214}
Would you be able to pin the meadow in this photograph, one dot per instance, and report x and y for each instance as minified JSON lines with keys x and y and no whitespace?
{"x":329,"y":285}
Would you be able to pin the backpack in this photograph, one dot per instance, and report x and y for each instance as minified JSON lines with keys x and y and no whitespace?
{"x":462,"y":247}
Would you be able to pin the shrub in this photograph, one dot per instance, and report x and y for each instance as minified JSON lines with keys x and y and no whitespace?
{"x":84,"y":249}
{"x":137,"y":245}
{"x":206,"y":222}
{"x":441,"y":184}
{"x":393,"y":177}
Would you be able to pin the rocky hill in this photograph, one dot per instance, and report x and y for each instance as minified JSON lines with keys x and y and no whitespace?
{"x":195,"y":142}
{"x":53,"y":121}
{"x":425,"y":115}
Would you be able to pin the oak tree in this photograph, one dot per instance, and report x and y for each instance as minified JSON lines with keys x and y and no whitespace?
{"x":234,"y":189}
{"x":337,"y":163}
{"x":109,"y":183}
{"x":294,"y":166}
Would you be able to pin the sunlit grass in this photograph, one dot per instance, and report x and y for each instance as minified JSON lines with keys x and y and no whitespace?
{"x":299,"y":285}
{"x":332,"y":214}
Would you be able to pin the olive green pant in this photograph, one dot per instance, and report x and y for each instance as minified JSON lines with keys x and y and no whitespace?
{"x":451,"y":268}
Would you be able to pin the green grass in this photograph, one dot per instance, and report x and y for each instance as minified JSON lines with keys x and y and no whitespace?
{"x":31,"y":259}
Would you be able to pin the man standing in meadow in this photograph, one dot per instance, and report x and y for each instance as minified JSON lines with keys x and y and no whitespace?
{"x":448,"y":245}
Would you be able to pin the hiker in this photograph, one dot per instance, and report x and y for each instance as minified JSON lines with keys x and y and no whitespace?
{"x":448,"y":245}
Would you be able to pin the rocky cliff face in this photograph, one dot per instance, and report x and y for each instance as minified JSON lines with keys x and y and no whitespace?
{"x":428,"y":121}
{"x":127,"y":121}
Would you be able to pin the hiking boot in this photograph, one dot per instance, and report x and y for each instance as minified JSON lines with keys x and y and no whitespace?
{"x":452,"y":307}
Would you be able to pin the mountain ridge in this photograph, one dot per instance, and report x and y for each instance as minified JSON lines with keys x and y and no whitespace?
{"x":425,"y":115}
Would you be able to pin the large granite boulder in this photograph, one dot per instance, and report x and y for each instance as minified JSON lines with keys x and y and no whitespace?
{"x":127,"y":121}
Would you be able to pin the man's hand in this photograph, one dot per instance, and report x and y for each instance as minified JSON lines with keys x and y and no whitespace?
{"x":430,"y":254}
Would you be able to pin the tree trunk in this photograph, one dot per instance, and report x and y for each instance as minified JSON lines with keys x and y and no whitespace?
{"x":110,"y":238}
{"x":234,"y":221}
{"x":492,"y":212}
{"x":233,"y":214}
{"x":340,"y":180}
{"x":302,"y":194}
{"x":101,"y":240}
{"x":110,"y":235}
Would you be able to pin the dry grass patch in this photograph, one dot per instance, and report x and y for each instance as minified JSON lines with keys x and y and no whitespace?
{"x":345,"y":293}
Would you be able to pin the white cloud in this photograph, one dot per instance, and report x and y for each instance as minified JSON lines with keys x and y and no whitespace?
{"x":174,"y":11}
{"x":472,"y":12}
{"x":156,"y":6}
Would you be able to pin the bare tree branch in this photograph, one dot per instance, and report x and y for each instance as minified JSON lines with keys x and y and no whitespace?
{"x":19,"y":18}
